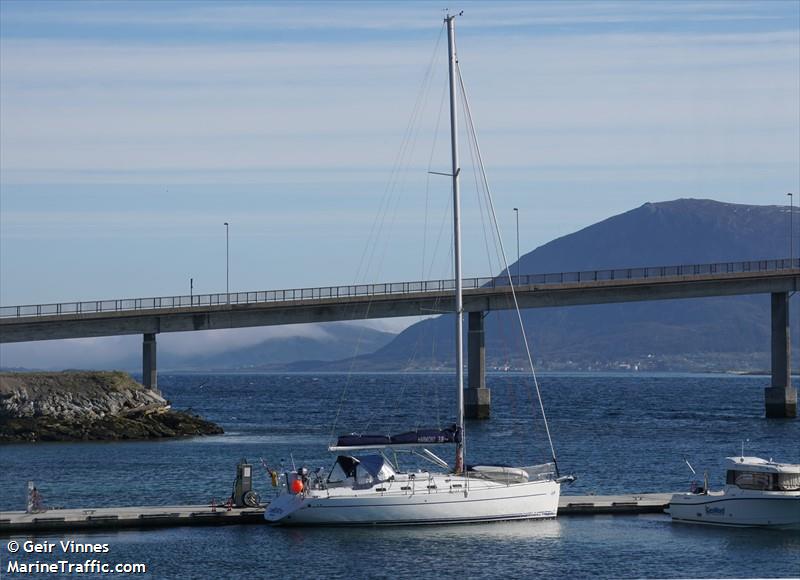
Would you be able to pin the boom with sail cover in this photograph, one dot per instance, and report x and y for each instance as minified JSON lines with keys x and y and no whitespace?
{"x":452,"y":434}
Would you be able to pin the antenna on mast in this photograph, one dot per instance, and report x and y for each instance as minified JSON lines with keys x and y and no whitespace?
{"x":447,"y":13}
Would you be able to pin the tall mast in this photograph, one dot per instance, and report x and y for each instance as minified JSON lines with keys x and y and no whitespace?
{"x":451,"y":49}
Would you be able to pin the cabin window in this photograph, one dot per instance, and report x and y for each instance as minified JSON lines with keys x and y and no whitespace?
{"x":363,"y":476}
{"x":750,"y":480}
{"x":789,"y":481}
{"x":343,"y":469}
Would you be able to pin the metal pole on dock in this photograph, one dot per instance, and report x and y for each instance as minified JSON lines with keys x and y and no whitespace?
{"x":791,"y":230}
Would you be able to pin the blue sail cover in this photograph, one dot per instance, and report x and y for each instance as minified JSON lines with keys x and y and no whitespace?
{"x":419,"y":437}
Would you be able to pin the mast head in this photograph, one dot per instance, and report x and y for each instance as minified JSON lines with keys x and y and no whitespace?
{"x":448,"y":17}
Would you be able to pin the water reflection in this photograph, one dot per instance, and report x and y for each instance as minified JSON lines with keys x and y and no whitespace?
{"x":738,"y":538}
{"x":521,"y":531}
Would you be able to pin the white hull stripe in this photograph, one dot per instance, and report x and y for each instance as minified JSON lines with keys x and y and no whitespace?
{"x":529,"y":516}
{"x":414,"y":504}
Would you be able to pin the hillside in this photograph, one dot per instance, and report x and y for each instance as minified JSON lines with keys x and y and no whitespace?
{"x":719,"y":334}
{"x":241,"y":349}
{"x":332,"y":341}
{"x":711,"y":334}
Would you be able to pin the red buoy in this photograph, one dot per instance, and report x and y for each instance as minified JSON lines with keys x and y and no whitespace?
{"x":297,"y":486}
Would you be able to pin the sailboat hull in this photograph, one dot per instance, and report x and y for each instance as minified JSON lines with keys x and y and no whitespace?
{"x":484,"y":501}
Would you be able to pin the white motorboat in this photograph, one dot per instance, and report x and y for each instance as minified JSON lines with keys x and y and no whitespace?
{"x":757,"y":492}
{"x":370,"y":485}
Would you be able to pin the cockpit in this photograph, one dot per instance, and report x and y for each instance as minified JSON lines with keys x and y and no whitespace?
{"x":360,"y":471}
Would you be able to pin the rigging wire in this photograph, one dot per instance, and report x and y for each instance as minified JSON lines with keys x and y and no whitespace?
{"x":386,"y":205}
{"x":378,"y":224}
{"x":480,"y":198}
{"x":428,"y":176}
{"x":493,"y":255}
{"x":416,"y":347}
{"x":398,"y":184}
{"x":504,"y":323}
{"x":471,"y":126}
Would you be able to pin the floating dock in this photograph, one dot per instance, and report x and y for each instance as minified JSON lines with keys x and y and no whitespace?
{"x":589,"y":505}
{"x":73,"y":520}
{"x":126,"y":517}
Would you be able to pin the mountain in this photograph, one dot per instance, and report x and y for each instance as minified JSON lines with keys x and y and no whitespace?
{"x":231,"y":349}
{"x":330,"y":342}
{"x":721,"y":333}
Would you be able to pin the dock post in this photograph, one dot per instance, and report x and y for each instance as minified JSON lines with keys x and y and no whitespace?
{"x":780,"y":399}
{"x":149,"y":368}
{"x":477,"y":398}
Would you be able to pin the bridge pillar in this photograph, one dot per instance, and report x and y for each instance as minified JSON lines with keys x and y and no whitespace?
{"x":477,"y":398}
{"x":780,"y":398}
{"x":149,"y":369}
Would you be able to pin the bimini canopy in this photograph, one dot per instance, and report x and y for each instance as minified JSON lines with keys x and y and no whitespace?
{"x":361,"y":470}
{"x":418,"y":438}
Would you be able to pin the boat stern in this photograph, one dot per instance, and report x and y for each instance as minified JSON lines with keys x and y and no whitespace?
{"x":283,"y":506}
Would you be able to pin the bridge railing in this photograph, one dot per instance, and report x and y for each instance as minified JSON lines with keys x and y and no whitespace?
{"x":424,"y":286}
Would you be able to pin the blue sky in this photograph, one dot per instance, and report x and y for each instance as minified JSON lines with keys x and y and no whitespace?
{"x":130,"y":131}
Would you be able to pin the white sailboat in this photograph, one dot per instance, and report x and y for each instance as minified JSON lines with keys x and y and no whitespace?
{"x":367,"y":485}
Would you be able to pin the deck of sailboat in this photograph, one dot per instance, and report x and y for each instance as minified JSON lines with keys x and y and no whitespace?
{"x":420,"y":484}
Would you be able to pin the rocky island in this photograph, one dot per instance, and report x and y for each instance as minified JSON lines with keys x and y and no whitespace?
{"x":88,"y":406}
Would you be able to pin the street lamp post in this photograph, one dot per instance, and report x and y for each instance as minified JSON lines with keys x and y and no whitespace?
{"x":791,"y":231}
{"x":227,"y":264}
{"x":191,"y":291}
{"x":516,"y":213}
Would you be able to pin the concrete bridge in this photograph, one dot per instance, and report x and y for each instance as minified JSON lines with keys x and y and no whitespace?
{"x":151,"y":316}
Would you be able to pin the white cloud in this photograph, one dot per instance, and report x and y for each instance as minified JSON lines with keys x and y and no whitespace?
{"x":313,"y":17}
{"x":203,"y":110}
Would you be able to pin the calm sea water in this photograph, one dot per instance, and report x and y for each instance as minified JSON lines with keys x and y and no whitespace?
{"x":617,"y":433}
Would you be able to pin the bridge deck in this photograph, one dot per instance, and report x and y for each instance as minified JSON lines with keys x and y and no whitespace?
{"x":359,"y":302}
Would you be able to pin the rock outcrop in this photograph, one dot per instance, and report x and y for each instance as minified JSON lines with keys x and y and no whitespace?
{"x":84,"y":405}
